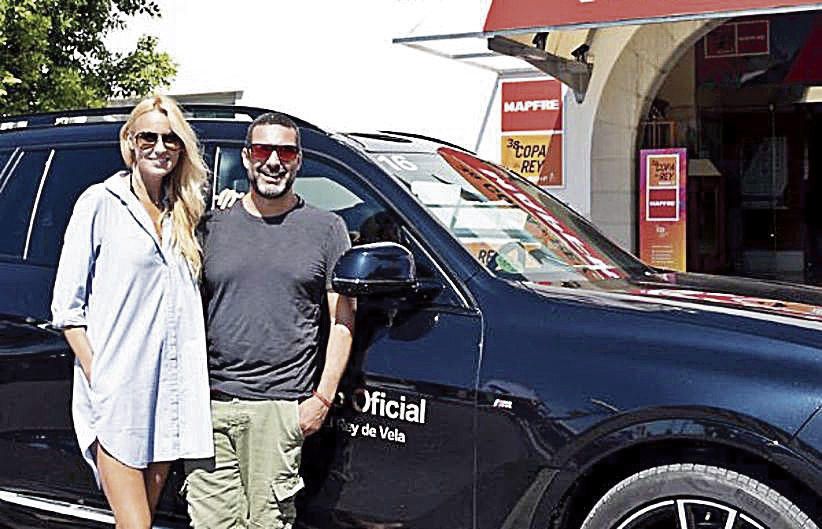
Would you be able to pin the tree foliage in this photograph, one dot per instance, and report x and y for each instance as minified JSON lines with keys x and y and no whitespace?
{"x":53,"y":55}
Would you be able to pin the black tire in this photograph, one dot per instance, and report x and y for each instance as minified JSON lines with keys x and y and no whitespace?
{"x":694,"y":490}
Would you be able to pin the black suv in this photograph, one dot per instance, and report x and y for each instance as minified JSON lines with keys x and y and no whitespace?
{"x":512,"y":368}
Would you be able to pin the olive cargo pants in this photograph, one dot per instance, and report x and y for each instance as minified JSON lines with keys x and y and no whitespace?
{"x":254,"y":475}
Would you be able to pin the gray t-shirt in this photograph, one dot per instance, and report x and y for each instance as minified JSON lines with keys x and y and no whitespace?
{"x":264,"y":281}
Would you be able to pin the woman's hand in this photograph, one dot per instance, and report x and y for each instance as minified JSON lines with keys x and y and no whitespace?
{"x":227,"y":198}
{"x":87,"y":372}
{"x":78,"y":341}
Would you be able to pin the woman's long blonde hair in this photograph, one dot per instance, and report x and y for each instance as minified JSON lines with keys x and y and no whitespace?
{"x":186,"y":182}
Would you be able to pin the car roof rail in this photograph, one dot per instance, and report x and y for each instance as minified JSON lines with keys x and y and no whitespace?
{"x":427,"y":138}
{"x":195,"y":111}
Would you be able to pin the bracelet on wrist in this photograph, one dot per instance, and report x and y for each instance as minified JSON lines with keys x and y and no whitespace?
{"x":325,"y":401}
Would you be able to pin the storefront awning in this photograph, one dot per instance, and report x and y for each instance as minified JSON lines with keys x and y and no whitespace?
{"x":544,"y":15}
{"x":526,"y":37}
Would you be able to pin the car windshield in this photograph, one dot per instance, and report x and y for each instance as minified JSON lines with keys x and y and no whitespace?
{"x":512,"y":227}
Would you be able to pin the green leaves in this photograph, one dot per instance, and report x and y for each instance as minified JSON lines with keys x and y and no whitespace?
{"x":53,"y":56}
{"x":142,"y":70}
{"x":7,"y":79}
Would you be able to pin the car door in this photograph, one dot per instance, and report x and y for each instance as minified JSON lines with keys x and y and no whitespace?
{"x":41,"y":188}
{"x":41,"y":458}
{"x":71,"y":171}
{"x":397,"y":448}
{"x":36,"y":435}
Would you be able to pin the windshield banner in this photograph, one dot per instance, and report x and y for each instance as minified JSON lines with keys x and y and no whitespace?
{"x":662,"y":221}
{"x":521,"y":14}
{"x":495,"y":184}
{"x":532,"y":130}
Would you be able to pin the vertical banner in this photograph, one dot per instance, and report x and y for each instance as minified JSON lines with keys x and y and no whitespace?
{"x":662,"y":222}
{"x":532,"y":130}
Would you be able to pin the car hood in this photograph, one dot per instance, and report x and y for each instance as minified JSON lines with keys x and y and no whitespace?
{"x":766,"y":297}
{"x":753,"y":295}
{"x":770,"y":308}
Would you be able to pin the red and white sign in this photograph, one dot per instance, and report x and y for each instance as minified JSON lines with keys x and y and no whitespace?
{"x":520,"y":14}
{"x":739,"y":39}
{"x":532,"y":106}
{"x":662,"y":204}
{"x":532,"y":130}
{"x":662,"y":223}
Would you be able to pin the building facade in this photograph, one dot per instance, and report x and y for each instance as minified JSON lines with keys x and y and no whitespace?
{"x":737,"y":89}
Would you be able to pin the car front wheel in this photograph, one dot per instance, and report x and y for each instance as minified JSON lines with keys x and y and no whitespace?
{"x":691,"y":496}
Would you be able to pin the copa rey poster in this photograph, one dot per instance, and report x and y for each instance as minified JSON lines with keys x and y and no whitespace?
{"x":532,"y":130}
{"x":662,"y":224}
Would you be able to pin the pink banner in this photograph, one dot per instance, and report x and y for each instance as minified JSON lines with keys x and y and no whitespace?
{"x":521,"y":14}
{"x":663,"y":188}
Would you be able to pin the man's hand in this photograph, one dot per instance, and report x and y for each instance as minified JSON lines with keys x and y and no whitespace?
{"x":341,"y":312}
{"x":227,"y":198}
{"x":312,"y":415}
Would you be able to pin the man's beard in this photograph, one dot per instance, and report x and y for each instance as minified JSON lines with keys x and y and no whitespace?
{"x":271,"y":195}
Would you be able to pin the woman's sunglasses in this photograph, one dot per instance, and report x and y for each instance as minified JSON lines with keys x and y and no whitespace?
{"x":147,"y":140}
{"x":261,"y":152}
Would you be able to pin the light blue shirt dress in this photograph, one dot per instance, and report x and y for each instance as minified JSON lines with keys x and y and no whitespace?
{"x":140,"y":303}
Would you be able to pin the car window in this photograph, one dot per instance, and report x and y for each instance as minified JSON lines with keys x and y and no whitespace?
{"x":511,"y":227}
{"x":229,"y":169}
{"x":331,"y":187}
{"x":71,"y":172}
{"x":18,"y":188}
{"x":327,"y":187}
{"x":5,"y":157}
{"x":321,"y":185}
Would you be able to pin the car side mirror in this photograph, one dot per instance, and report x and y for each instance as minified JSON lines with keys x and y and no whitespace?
{"x":377,"y":269}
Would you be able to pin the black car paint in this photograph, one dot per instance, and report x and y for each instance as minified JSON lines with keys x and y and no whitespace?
{"x":527,"y":387}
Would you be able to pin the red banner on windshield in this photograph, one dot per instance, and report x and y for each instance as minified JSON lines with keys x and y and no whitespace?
{"x":521,"y":14}
{"x":495,"y":184}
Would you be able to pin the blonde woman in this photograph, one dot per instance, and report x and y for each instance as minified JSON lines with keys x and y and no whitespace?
{"x":127,"y":297}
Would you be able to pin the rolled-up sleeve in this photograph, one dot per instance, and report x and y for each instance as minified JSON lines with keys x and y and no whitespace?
{"x":80,"y":248}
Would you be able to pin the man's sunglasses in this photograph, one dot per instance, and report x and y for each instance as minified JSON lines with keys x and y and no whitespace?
{"x":261,"y":152}
{"x":147,"y":140}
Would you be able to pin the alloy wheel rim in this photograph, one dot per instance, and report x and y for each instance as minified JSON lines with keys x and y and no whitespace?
{"x":689,"y":513}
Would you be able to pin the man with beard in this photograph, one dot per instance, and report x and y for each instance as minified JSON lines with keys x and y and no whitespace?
{"x":266,"y":274}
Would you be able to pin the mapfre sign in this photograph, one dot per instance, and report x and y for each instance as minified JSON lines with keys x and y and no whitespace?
{"x":532,"y":105}
{"x":532,"y":130}
{"x":522,"y":14}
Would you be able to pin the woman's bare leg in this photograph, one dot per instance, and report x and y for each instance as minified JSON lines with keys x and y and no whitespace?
{"x":155,"y":477}
{"x":125,"y":490}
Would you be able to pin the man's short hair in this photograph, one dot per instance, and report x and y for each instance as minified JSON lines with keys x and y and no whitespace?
{"x":273,"y":118}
